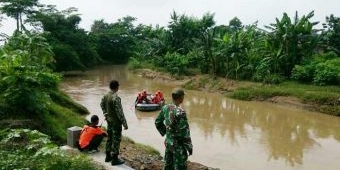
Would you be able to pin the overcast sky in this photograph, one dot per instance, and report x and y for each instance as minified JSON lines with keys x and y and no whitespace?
{"x":158,"y":11}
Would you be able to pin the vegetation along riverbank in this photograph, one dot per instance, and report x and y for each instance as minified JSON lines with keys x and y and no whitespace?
{"x":289,"y":62}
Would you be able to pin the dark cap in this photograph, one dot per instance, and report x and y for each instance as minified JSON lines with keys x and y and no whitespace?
{"x":178,"y":92}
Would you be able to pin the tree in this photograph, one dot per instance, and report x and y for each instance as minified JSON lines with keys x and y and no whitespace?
{"x":115,"y":42}
{"x":26,"y":79}
{"x":235,"y":24}
{"x":332,"y":35}
{"x":74,"y":49}
{"x":291,"y":42}
{"x":17,"y":8}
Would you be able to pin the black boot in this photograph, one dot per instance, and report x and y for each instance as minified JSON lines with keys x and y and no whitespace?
{"x":116,"y":160}
{"x":108,"y":156}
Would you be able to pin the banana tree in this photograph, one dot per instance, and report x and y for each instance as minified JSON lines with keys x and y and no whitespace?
{"x":239,"y":44}
{"x":291,"y":42}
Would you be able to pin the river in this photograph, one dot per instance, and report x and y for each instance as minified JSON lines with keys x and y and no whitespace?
{"x":226,"y":133}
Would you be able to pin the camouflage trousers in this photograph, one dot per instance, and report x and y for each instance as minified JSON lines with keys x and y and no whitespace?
{"x":175,"y":158}
{"x":113,"y":139}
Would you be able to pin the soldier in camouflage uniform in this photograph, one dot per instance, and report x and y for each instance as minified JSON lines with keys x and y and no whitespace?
{"x":172,"y":122}
{"x":114,"y":115}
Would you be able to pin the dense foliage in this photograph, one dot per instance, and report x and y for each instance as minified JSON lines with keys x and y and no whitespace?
{"x":288,"y":49}
{"x":31,"y":61}
{"x":279,"y":52}
{"x":25,"y":76}
{"x":30,"y":149}
{"x":29,"y":87}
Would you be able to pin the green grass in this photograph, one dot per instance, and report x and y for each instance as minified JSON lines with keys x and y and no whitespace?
{"x":325,"y":97}
{"x":27,"y":149}
{"x":150,"y":150}
{"x":64,"y":100}
{"x":58,"y":120}
{"x":61,"y":113}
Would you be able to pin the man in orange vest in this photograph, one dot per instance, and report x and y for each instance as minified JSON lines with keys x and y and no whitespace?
{"x":156,"y":99}
{"x":91,"y":136}
{"x":139,"y":98}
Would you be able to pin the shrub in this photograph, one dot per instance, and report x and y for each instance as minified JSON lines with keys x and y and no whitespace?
{"x":30,"y":149}
{"x":25,"y":76}
{"x":327,"y":73}
{"x":304,"y":73}
{"x":175,"y":63}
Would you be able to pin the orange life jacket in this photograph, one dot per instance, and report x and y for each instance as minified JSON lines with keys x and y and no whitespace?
{"x":87,"y":135}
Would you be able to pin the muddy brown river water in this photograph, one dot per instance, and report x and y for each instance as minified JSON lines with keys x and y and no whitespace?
{"x":226,"y":133}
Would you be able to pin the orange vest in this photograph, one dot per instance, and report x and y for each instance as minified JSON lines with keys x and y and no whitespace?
{"x":156,"y":99}
{"x":87,"y":135}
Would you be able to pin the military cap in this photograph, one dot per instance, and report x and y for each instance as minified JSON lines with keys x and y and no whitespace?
{"x":178,"y":92}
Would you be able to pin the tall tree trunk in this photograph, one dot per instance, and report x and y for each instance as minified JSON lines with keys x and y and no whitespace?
{"x":20,"y":20}
{"x":17,"y":18}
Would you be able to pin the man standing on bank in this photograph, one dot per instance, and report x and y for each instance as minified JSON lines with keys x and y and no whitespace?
{"x":114,"y":115}
{"x":172,"y":121}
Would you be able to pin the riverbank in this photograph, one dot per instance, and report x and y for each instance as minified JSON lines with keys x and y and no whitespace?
{"x":142,"y":157}
{"x":323,"y":99}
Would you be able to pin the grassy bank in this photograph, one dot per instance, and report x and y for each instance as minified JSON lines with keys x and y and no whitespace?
{"x":324,"y":99}
{"x":30,"y":140}
{"x":59,"y":115}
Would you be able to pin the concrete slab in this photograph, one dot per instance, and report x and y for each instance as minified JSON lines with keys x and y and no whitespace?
{"x":99,"y":157}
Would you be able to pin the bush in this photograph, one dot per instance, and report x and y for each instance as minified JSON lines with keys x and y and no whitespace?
{"x":304,"y":73}
{"x":134,"y":63}
{"x":323,"y":69}
{"x":175,"y":63}
{"x":27,"y":149}
{"x":327,"y":73}
{"x":25,"y":76}
{"x":273,"y":79}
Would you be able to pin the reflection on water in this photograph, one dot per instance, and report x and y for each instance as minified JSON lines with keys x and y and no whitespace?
{"x":227,"y":134}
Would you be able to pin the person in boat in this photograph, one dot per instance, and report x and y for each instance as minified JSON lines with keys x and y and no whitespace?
{"x":145,"y":98}
{"x":160,"y":95}
{"x":157,"y":98}
{"x":139,"y":98}
{"x":91,"y":136}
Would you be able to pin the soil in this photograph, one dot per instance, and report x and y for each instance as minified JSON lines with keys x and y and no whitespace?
{"x":140,"y":158}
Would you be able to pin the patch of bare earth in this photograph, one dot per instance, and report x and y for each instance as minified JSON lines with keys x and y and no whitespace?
{"x":159,"y":76}
{"x":291,"y":102}
{"x":139,"y":158}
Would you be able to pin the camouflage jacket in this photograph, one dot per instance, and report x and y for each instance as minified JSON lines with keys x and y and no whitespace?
{"x":112,"y":109}
{"x":172,"y":121}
